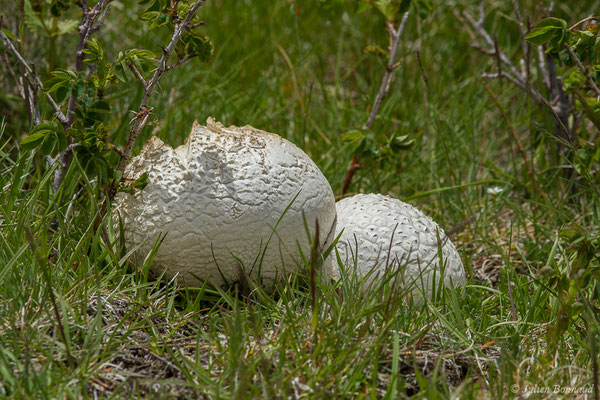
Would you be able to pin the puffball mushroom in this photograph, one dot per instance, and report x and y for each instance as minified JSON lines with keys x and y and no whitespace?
{"x":232,"y":203}
{"x":380,"y":232}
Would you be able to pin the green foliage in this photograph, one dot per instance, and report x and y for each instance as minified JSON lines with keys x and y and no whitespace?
{"x":142,"y":60}
{"x":36,"y":18}
{"x":135,"y":337}
{"x":551,"y":30}
{"x":577,"y":284}
{"x":376,"y":146}
{"x":83,"y":90}
{"x":48,"y":135}
{"x":197,"y":45}
{"x":578,"y":51}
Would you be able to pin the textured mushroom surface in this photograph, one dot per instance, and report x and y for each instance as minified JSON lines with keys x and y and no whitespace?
{"x":390,"y":233}
{"x":219,"y":198}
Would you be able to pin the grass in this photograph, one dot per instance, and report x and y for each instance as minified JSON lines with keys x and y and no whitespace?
{"x":79,"y":319}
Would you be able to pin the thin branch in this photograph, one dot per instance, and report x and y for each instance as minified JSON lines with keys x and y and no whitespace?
{"x":36,"y":80}
{"x":31,"y":94}
{"x":162,"y":63}
{"x":583,"y":70}
{"x":481,"y":14}
{"x":394,"y":36}
{"x":100,"y":22}
{"x":478,"y":26}
{"x":522,"y":29}
{"x":387,"y":76}
{"x":18,"y":83}
{"x":543,"y":67}
{"x":179,"y":62}
{"x":194,"y":26}
{"x":28,"y":105}
{"x":138,"y":74}
{"x":143,"y":110}
{"x":584,"y":20}
{"x":537,"y":97}
{"x":138,"y":124}
{"x":517,"y":78}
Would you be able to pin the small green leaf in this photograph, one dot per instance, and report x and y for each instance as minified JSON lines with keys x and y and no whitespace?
{"x":44,"y":127}
{"x":352,"y":136}
{"x":120,"y":72}
{"x":541,"y":35}
{"x":546,"y":30}
{"x":551,"y":21}
{"x":149,"y":15}
{"x":48,"y":143}
{"x":10,"y":35}
{"x":62,"y":140}
{"x":199,"y":45}
{"x":141,"y":182}
{"x":32,"y":141}
{"x":93,"y":51}
{"x":375,"y":50}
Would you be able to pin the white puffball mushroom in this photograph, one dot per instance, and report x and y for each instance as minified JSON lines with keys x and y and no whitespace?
{"x":390,"y":233}
{"x":219,"y":198}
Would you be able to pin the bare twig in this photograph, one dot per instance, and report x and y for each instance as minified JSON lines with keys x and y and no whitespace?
{"x":18,"y":82}
{"x":560,"y":111}
{"x":387,"y":76}
{"x":137,"y":73}
{"x":522,"y":29}
{"x":584,"y":20}
{"x":100,"y":22}
{"x":179,"y":62}
{"x":478,"y":26}
{"x":536,"y":96}
{"x":138,"y":123}
{"x":36,"y":80}
{"x":31,"y":93}
{"x":384,"y":87}
{"x":543,"y":68}
{"x":583,"y":70}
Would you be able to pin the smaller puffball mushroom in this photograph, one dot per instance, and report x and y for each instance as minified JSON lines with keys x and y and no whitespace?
{"x":229,"y":204}
{"x":380,"y":232}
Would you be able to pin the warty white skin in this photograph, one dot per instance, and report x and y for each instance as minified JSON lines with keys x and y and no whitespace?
{"x":391,"y":233}
{"x":218,"y":198}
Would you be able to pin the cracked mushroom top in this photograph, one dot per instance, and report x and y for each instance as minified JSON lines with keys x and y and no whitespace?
{"x":218,"y":198}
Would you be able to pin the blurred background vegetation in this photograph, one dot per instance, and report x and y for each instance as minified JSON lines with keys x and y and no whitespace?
{"x":299,"y":69}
